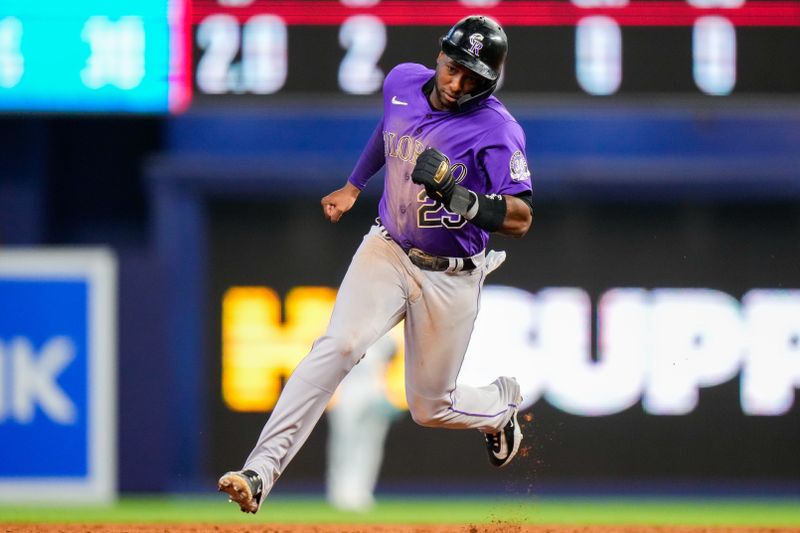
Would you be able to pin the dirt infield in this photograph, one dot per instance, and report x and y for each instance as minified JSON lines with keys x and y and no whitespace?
{"x":361,"y":528}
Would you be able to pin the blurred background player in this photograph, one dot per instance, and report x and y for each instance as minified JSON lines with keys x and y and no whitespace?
{"x":456,"y":171}
{"x":358,"y":422}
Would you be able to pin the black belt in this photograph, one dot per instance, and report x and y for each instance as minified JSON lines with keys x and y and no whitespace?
{"x":437,"y":263}
{"x":427,"y":261}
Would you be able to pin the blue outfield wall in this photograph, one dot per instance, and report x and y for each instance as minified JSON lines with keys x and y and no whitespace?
{"x":632,"y":152}
{"x":673,"y":150}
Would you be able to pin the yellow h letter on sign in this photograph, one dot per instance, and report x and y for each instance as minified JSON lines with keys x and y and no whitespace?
{"x":259,"y":350}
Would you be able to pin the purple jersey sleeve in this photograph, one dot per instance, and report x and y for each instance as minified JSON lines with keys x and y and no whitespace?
{"x":371,"y":160}
{"x":502,"y":158}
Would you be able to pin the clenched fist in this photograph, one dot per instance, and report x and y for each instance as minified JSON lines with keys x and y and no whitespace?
{"x":433,"y":172}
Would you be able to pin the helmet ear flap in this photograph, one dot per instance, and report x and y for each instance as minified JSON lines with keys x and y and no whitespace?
{"x":484,"y":91}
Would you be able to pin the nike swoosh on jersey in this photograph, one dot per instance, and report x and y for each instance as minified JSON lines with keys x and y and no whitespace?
{"x":395,"y":101}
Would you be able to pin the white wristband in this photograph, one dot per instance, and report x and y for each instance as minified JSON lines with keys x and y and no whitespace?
{"x":473,"y":210}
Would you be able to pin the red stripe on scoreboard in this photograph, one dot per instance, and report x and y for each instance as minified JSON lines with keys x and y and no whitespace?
{"x":509,"y":13}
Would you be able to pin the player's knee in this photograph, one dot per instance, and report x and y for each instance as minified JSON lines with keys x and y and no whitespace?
{"x":341,"y":349}
{"x":428,"y":413}
{"x":340,"y":346}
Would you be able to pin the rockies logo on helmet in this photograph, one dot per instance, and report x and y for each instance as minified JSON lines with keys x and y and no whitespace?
{"x":476,"y":42}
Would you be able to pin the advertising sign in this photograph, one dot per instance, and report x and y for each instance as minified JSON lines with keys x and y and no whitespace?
{"x":57,"y":375}
{"x":653,"y":343}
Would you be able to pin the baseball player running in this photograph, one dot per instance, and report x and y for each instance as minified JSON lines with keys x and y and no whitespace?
{"x":455,"y":172}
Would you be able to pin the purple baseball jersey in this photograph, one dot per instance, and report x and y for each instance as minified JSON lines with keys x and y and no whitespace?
{"x":485,"y":146}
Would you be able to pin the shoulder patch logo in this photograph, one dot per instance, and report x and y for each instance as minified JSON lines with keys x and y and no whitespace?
{"x":519,"y":167}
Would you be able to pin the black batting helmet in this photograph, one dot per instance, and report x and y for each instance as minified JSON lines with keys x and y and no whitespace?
{"x":479,"y":44}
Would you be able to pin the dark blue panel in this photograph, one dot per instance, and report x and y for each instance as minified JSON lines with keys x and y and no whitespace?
{"x":271,"y":132}
{"x":634,"y":151}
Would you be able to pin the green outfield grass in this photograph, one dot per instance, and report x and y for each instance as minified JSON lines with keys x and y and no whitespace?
{"x":534,"y":510}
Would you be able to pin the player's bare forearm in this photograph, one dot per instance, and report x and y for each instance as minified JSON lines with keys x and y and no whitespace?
{"x":518,"y":217}
{"x":339,"y":202}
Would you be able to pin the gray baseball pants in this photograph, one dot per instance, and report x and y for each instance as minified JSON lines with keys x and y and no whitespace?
{"x":381,"y":288}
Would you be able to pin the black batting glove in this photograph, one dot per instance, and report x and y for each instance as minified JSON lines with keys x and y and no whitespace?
{"x":433,"y":172}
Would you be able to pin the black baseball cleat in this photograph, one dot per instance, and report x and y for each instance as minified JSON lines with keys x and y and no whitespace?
{"x":504,"y":445}
{"x":243,"y":487}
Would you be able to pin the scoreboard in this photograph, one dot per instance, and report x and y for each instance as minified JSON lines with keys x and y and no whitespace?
{"x":583,"y":47}
{"x":94,"y":55}
{"x":158,"y":56}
